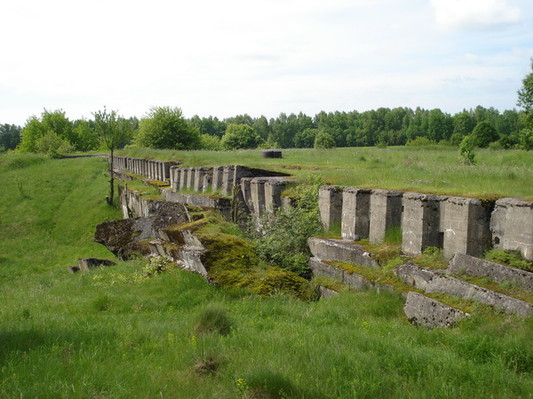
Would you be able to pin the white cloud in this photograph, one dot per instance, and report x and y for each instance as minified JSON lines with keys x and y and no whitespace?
{"x":474,"y":14}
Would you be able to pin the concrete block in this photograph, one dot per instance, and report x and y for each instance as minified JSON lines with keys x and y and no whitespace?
{"x":511,"y":226}
{"x":208,"y":180}
{"x":385,"y":213}
{"x":420,"y":222}
{"x":355,"y":223}
{"x":323,"y":269}
{"x":434,"y":281}
{"x":465,"y":225}
{"x":246,"y":188}
{"x":228,"y":178}
{"x":174,"y":173}
{"x":257,"y":189}
{"x":461,"y":263}
{"x":199,"y":179}
{"x":273,"y":188}
{"x":184,"y":175}
{"x":218,"y":173}
{"x":330,"y":205}
{"x":428,"y":312}
{"x":326,"y":293}
{"x":190,"y":178}
{"x":343,"y":250}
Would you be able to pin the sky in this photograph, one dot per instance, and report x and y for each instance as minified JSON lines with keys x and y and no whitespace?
{"x":224,"y":58}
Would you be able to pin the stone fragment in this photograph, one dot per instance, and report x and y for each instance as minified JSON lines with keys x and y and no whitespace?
{"x":428,"y":312}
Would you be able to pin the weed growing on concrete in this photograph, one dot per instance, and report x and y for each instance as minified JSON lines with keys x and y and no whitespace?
{"x":509,"y":258}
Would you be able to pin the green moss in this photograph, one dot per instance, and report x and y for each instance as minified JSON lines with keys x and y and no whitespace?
{"x":431,"y":258}
{"x":503,"y":288}
{"x":509,"y":258}
{"x":383,"y":252}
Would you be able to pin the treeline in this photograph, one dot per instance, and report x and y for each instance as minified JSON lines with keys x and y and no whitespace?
{"x":165,"y":127}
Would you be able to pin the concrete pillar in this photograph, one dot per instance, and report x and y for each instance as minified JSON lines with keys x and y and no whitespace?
{"x":208,"y":180}
{"x":330,"y":205}
{"x":465,"y":223}
{"x":228,"y":176}
{"x":174,"y":178}
{"x":257,"y":188}
{"x":420,"y":222}
{"x":184,"y":175}
{"x":385,"y":213}
{"x":355,"y":222}
{"x":199,"y":179}
{"x":246,"y":189}
{"x":273,"y":188}
{"x":511,"y":226}
{"x":218,"y":172}
{"x":166,"y":169}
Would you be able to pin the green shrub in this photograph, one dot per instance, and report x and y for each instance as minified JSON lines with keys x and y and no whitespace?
{"x":324,"y":140}
{"x":466,"y":149}
{"x":419,"y":141}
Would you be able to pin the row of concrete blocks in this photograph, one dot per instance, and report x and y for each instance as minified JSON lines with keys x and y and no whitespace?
{"x":457,"y":225}
{"x":152,"y":169}
{"x":261,"y":194}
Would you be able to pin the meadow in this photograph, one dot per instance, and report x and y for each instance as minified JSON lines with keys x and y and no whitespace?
{"x":117,"y":333}
{"x":428,"y":169}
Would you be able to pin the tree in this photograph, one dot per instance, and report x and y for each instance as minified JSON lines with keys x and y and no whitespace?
{"x":240,"y":135}
{"x":484,"y":134}
{"x":324,"y":140}
{"x":525,"y":100}
{"x":36,"y":128}
{"x":112,"y":130}
{"x":165,"y":127}
{"x":9,"y":136}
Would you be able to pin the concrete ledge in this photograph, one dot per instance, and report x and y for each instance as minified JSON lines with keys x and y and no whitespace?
{"x":433,"y":281}
{"x":500,"y":273}
{"x":428,"y":312}
{"x":326,"y":293}
{"x":219,"y":203}
{"x":343,"y":250}
{"x":354,"y":280}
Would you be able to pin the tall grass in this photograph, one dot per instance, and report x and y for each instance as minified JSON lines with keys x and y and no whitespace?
{"x":108,"y":334}
{"x":435,"y":169}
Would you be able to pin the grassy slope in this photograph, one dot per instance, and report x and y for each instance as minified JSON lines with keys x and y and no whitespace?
{"x":108,"y":334}
{"x":496,"y":174}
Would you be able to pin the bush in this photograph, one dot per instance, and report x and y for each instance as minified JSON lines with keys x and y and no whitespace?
{"x":509,"y":258}
{"x":53,"y":145}
{"x":211,"y":143}
{"x":324,"y":140}
{"x":240,"y":135}
{"x":419,"y":142}
{"x":466,"y":149}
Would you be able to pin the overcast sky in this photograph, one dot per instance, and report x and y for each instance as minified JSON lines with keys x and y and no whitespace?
{"x":224,"y":58}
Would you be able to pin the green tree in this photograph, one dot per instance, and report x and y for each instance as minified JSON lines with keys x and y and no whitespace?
{"x":240,"y":135}
{"x":324,"y":140}
{"x":165,"y":127}
{"x":113,"y":131}
{"x":484,"y":134}
{"x":35,"y":128}
{"x":9,"y":136}
{"x":525,"y":100}
{"x":466,"y":149}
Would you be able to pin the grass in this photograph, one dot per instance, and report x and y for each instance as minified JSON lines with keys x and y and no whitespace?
{"x":435,"y":170}
{"x":110,"y":334}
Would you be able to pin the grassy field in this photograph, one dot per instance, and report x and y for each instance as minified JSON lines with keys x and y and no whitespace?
{"x":435,"y":169}
{"x":114,"y":333}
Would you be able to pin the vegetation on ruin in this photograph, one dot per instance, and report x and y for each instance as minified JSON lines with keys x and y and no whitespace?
{"x":110,"y":334}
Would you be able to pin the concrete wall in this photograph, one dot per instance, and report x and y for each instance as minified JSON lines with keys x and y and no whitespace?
{"x":330,"y":205}
{"x":420,"y":222}
{"x":511,"y":226}
{"x":385,"y":213}
{"x":355,"y":221}
{"x":455,"y":224}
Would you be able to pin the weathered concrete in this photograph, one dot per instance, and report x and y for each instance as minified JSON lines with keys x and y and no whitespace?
{"x":433,"y":281}
{"x":175,"y":178}
{"x":343,"y":250}
{"x":428,"y":312}
{"x":461,"y":263}
{"x":385,"y":213}
{"x":223,"y":205}
{"x":512,"y":226}
{"x":199,"y":179}
{"x":465,"y":224}
{"x":191,"y":174}
{"x":184,"y":175}
{"x":420,"y":222}
{"x":330,"y":205}
{"x":218,"y":173}
{"x":273,"y":187}
{"x":228,"y":178}
{"x":208,"y":180}
{"x":326,"y":293}
{"x":257,"y":189}
{"x":355,"y":224}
